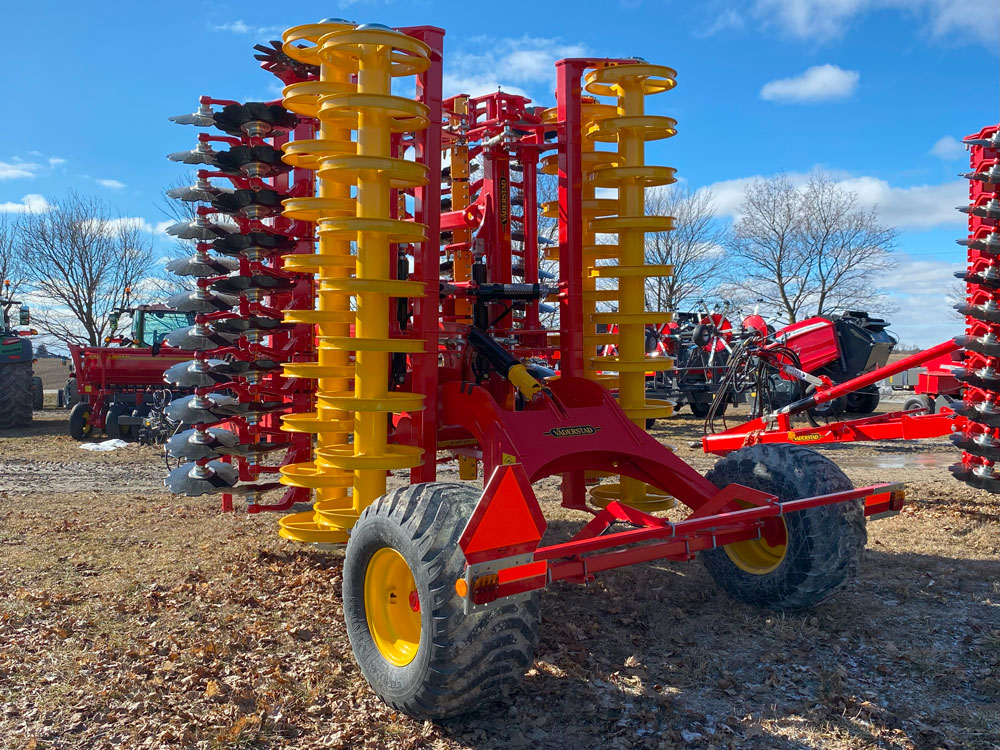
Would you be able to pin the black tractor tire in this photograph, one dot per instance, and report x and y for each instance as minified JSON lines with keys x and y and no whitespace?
{"x":37,"y":393}
{"x":461,"y":662}
{"x":864,"y":401}
{"x":823,"y":546}
{"x":920,"y":401}
{"x":111,"y":426}
{"x":80,"y":427}
{"x":700,"y":409}
{"x":15,"y":395}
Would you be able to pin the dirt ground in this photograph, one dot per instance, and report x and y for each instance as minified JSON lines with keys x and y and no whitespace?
{"x":133,"y":619}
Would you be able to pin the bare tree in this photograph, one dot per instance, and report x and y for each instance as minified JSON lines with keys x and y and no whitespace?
{"x":164,"y":282}
{"x":11,"y":258}
{"x":811,"y":251}
{"x":82,"y":260}
{"x":693,"y":247}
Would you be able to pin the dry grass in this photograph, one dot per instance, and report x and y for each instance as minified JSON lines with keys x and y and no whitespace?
{"x":129,"y":618}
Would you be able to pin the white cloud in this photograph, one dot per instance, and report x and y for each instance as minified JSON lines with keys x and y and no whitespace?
{"x":111,"y":184}
{"x":910,"y":208}
{"x":32,"y":203}
{"x":239,"y":27}
{"x":818,"y":83}
{"x":948,"y":148}
{"x":520,"y":61}
{"x":920,"y":288}
{"x":975,"y":20}
{"x":110,"y":227}
{"x":18,"y":169}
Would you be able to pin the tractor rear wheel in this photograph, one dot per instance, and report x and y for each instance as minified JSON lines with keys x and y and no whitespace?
{"x":418,"y":650}
{"x":80,"y":427}
{"x":15,"y":395}
{"x":111,"y":426}
{"x":805,"y":556}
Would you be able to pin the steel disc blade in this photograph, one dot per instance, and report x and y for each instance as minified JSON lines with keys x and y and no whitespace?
{"x":205,"y":193}
{"x":194,"y":444}
{"x":202,"y":409}
{"x":986,"y":379}
{"x":204,"y":155}
{"x":199,"y":229}
{"x":546,"y":308}
{"x":196,"y":373}
{"x":985,"y":279}
{"x":980,"y":413}
{"x":199,"y":302}
{"x":198,"y":338}
{"x":202,"y":265}
{"x":981,"y":445}
{"x":987,"y":313}
{"x":237,"y":283}
{"x":988,"y":346}
{"x":240,"y":367}
{"x":204,"y":117}
{"x":193,"y":480}
{"x":990,"y":483}
{"x":253,"y":323}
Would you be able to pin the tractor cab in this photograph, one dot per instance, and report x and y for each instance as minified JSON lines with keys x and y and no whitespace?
{"x":150,"y":325}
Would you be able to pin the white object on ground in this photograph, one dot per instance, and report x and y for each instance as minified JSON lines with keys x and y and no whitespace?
{"x":107,"y":445}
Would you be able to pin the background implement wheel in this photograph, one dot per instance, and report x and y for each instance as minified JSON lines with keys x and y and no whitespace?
{"x":920,"y":401}
{"x":37,"y":393}
{"x":864,"y":401}
{"x":803,"y":557}
{"x":111,"y":426}
{"x":80,"y":427}
{"x":416,"y":648}
{"x":15,"y":394}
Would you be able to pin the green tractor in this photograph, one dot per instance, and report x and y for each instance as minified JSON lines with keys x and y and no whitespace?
{"x":20,"y":390}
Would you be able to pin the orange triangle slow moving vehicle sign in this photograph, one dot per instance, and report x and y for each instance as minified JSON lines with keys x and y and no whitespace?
{"x":507,"y":521}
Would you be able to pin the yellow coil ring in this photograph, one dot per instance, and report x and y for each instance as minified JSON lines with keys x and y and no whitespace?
{"x":408,"y":56}
{"x":646,"y":175}
{"x":316,"y":317}
{"x":304,"y":98}
{"x":350,"y":168}
{"x":648,"y":127}
{"x":651,"y":500}
{"x":655,"y":79}
{"x":396,"y":401}
{"x":314,"y":209}
{"x":394,"y":458}
{"x":302,"y":527}
{"x":361,"y":344}
{"x":343,"y":110}
{"x":315,"y":262}
{"x":313,"y":424}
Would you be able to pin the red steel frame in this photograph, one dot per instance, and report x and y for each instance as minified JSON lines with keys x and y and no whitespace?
{"x":906,"y":425}
{"x":577,"y":426}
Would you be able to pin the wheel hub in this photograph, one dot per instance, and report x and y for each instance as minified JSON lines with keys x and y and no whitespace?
{"x":392,"y":607}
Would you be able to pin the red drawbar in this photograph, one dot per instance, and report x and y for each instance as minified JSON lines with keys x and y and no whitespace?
{"x":507,"y":521}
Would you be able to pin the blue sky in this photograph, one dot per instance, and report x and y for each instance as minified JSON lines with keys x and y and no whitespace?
{"x":874,"y":91}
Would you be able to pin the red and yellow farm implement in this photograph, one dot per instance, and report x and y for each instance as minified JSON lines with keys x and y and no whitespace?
{"x":379,"y":313}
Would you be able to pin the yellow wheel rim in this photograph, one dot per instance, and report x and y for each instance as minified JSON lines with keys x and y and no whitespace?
{"x":758,"y":556}
{"x":392,"y":607}
{"x":87,"y":426}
